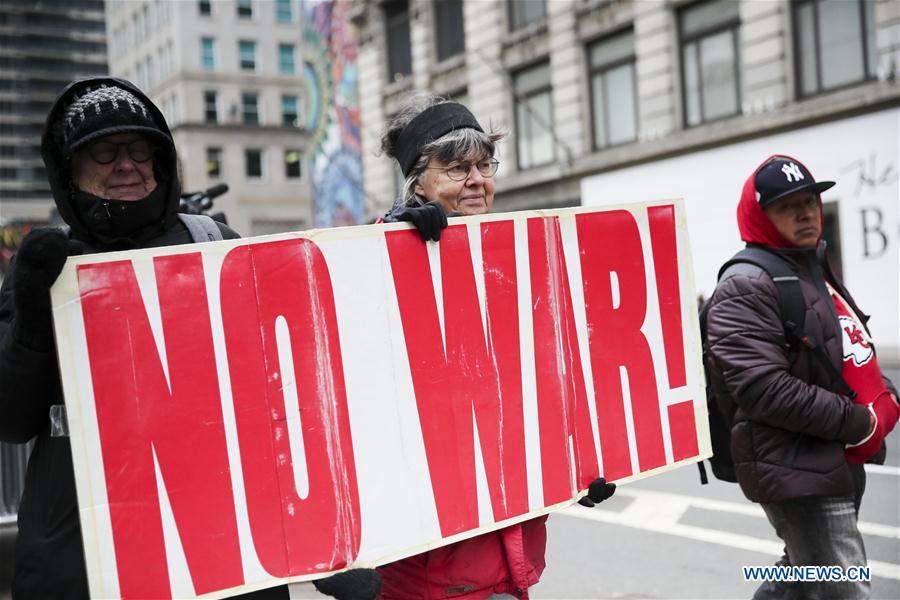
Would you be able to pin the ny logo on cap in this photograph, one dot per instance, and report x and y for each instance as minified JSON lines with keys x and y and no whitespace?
{"x":792,"y":171}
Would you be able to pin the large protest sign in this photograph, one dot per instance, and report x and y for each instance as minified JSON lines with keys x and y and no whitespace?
{"x":249,"y":412}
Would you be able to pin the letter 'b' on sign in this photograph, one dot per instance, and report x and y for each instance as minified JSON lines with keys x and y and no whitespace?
{"x":260,"y":283}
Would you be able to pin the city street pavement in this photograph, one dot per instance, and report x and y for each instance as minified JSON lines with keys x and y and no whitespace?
{"x":670,"y":537}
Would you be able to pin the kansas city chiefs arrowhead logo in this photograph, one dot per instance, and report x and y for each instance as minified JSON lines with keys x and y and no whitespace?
{"x":857,"y":343}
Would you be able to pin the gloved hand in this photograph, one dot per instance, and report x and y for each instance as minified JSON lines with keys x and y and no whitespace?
{"x":886,"y":412}
{"x":38,"y":263}
{"x":429,"y":219}
{"x":355,"y":584}
{"x":598,"y":491}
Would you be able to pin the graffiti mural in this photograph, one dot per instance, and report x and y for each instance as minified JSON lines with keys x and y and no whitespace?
{"x":332,"y":113}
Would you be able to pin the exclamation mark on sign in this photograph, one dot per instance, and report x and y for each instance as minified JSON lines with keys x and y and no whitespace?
{"x":682,"y":425}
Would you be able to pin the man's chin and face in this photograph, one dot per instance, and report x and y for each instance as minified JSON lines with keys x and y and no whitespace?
{"x":798,"y":218}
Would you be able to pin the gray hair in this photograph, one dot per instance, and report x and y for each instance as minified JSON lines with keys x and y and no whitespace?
{"x":460,"y":144}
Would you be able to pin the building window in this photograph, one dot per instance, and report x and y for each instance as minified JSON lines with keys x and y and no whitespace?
{"x":448,"y":21}
{"x":534,"y":116}
{"x":283,"y":11}
{"x":523,"y":12}
{"x":213,"y":163}
{"x":204,"y":7}
{"x":208,"y":53}
{"x":396,"y":17}
{"x":710,"y":73}
{"x":290,"y":117}
{"x":286,"y":59}
{"x":250,"y":108}
{"x":253,"y":163}
{"x":613,"y":90}
{"x":834,"y":44}
{"x":247,"y":55}
{"x":292,"y":164}
{"x":210,"y":107}
{"x":245,"y":9}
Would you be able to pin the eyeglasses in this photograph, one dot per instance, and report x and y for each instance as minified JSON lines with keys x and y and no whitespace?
{"x":103,"y":153}
{"x":460,"y":171}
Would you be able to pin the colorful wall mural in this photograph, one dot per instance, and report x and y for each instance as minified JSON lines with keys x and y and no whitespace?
{"x":334,"y":153}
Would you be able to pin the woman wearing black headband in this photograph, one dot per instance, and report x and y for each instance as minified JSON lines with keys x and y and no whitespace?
{"x":448,"y":161}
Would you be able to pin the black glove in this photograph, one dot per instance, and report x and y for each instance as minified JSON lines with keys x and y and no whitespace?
{"x":38,"y":263}
{"x":598,"y":491}
{"x":429,"y":219}
{"x":355,"y":584}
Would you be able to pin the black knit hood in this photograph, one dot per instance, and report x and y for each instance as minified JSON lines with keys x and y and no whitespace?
{"x":58,"y":162}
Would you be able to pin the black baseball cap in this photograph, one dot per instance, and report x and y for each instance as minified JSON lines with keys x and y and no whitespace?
{"x":783,"y":176}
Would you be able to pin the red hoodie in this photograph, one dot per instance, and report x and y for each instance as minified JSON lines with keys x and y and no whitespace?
{"x":754,"y":225}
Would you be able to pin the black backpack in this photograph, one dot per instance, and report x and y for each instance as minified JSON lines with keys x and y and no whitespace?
{"x":792,"y":308}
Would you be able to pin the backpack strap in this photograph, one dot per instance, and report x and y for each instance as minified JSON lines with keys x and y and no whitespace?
{"x":201,"y":227}
{"x":791,"y":305}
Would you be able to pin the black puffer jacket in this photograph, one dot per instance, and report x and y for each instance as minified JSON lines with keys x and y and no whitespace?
{"x":789,"y":428}
{"x":49,"y":557}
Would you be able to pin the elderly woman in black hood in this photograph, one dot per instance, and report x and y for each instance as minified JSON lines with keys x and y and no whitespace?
{"x":111,"y":164}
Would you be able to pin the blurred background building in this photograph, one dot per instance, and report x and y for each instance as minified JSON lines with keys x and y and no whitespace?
{"x":611,"y":101}
{"x":228,"y":76}
{"x":43,"y":46}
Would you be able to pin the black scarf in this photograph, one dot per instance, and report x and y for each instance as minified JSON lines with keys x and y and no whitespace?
{"x":122,"y":224}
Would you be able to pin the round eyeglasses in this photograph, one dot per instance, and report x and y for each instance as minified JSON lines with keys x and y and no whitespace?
{"x":103,"y":153}
{"x":460,"y":171}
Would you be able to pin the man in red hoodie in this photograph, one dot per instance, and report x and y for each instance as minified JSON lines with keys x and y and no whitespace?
{"x":799,"y":438}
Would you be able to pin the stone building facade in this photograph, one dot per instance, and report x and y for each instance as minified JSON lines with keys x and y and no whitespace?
{"x":228,"y":76}
{"x":675,"y":54}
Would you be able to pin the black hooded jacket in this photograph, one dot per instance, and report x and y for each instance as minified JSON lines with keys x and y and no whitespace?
{"x":49,"y":561}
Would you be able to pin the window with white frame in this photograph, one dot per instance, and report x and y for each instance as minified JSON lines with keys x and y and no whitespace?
{"x":213,"y":163}
{"x":286,"y":64}
{"x":253,"y":163}
{"x":247,"y":55}
{"x":292,"y":160}
{"x":284,"y":11}
{"x":834,"y":44}
{"x":534,"y":116}
{"x":245,"y":9}
{"x":613,"y":90}
{"x":208,"y":53}
{"x":290,"y":115}
{"x":710,"y":60}
{"x":211,"y":106}
{"x":250,"y":108}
